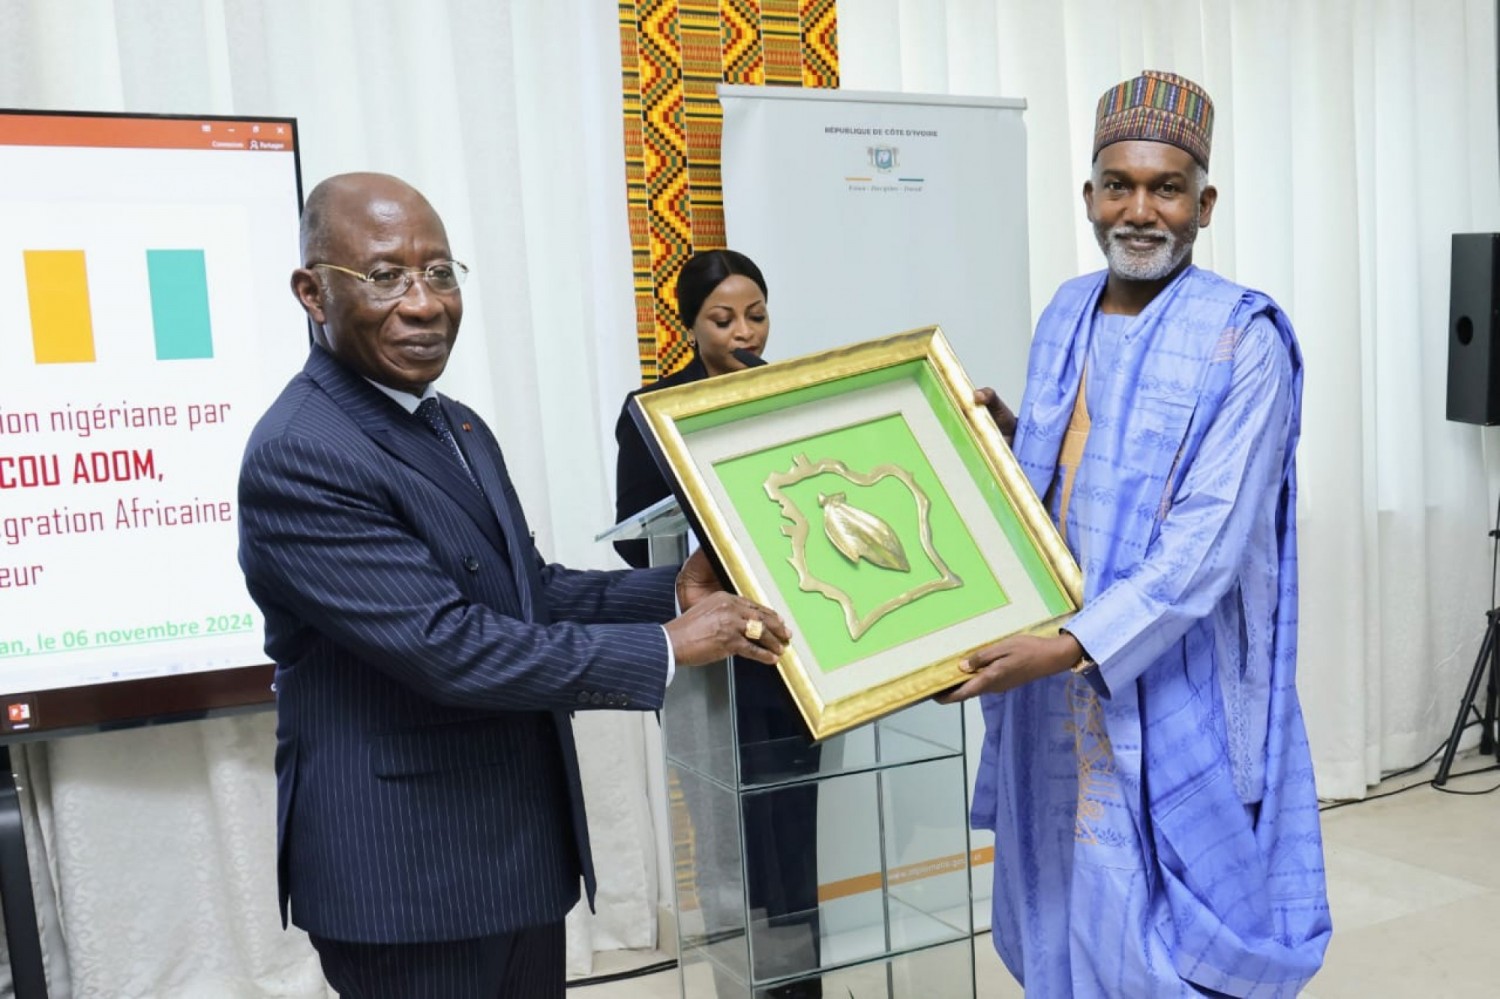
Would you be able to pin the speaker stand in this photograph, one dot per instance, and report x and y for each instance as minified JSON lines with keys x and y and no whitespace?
{"x":1487,"y":662}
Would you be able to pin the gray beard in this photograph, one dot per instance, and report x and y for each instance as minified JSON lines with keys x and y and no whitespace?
{"x":1152,"y":265}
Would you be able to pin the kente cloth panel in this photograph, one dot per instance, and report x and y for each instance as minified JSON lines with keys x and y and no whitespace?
{"x":673,"y":53}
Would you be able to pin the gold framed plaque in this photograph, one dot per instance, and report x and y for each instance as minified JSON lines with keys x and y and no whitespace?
{"x":863,"y":495}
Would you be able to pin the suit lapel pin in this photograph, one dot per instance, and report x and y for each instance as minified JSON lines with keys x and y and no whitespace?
{"x":468,"y":426}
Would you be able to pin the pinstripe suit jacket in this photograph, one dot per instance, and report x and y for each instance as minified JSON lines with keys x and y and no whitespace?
{"x":427,"y":781}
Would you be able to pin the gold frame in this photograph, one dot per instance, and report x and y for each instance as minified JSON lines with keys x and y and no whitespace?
{"x":658,"y":414}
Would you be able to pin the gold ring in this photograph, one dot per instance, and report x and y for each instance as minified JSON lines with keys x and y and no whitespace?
{"x":753,"y":629}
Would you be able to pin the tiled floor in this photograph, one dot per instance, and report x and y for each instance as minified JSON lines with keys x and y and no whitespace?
{"x":1414,"y":883}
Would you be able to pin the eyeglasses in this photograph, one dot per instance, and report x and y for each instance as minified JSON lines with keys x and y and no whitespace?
{"x":386,"y":283}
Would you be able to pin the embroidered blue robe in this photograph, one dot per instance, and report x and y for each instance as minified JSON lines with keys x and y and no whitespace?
{"x":1162,"y":839}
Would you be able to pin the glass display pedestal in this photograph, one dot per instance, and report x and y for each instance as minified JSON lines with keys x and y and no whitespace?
{"x":802,"y":869}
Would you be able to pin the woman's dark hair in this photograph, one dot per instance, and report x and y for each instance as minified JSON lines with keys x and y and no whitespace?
{"x":706,"y":271}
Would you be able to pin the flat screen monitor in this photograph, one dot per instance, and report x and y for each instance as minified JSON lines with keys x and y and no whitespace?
{"x":146,"y":322}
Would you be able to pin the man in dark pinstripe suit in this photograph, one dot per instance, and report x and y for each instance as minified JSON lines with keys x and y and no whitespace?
{"x":430,"y":820}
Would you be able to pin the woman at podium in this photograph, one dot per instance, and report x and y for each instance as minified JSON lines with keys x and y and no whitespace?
{"x":721,"y":302}
{"x":721,"y":299}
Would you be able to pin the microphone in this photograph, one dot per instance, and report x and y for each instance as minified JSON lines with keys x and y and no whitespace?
{"x":746,"y":358}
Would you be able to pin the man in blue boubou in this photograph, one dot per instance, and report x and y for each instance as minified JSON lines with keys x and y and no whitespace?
{"x":1146,"y":770}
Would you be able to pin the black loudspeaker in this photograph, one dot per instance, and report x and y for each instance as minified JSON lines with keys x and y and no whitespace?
{"x":1474,"y":329}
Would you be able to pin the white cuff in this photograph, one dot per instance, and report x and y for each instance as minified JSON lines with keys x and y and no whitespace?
{"x":671,"y":658}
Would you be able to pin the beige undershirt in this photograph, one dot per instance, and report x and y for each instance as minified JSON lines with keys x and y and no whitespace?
{"x":1070,"y":456}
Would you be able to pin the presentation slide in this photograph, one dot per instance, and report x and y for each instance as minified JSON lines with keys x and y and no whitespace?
{"x":146,"y":322}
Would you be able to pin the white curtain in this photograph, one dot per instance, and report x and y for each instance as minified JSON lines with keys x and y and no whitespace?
{"x":153,"y":850}
{"x":1351,"y":139}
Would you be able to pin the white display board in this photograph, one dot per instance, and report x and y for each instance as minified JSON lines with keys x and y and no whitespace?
{"x":873,"y":213}
{"x":145,"y":325}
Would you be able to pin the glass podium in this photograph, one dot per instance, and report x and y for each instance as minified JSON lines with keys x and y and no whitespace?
{"x":805,"y":869}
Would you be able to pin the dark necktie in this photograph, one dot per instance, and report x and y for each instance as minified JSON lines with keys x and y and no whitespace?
{"x":430,"y":413}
